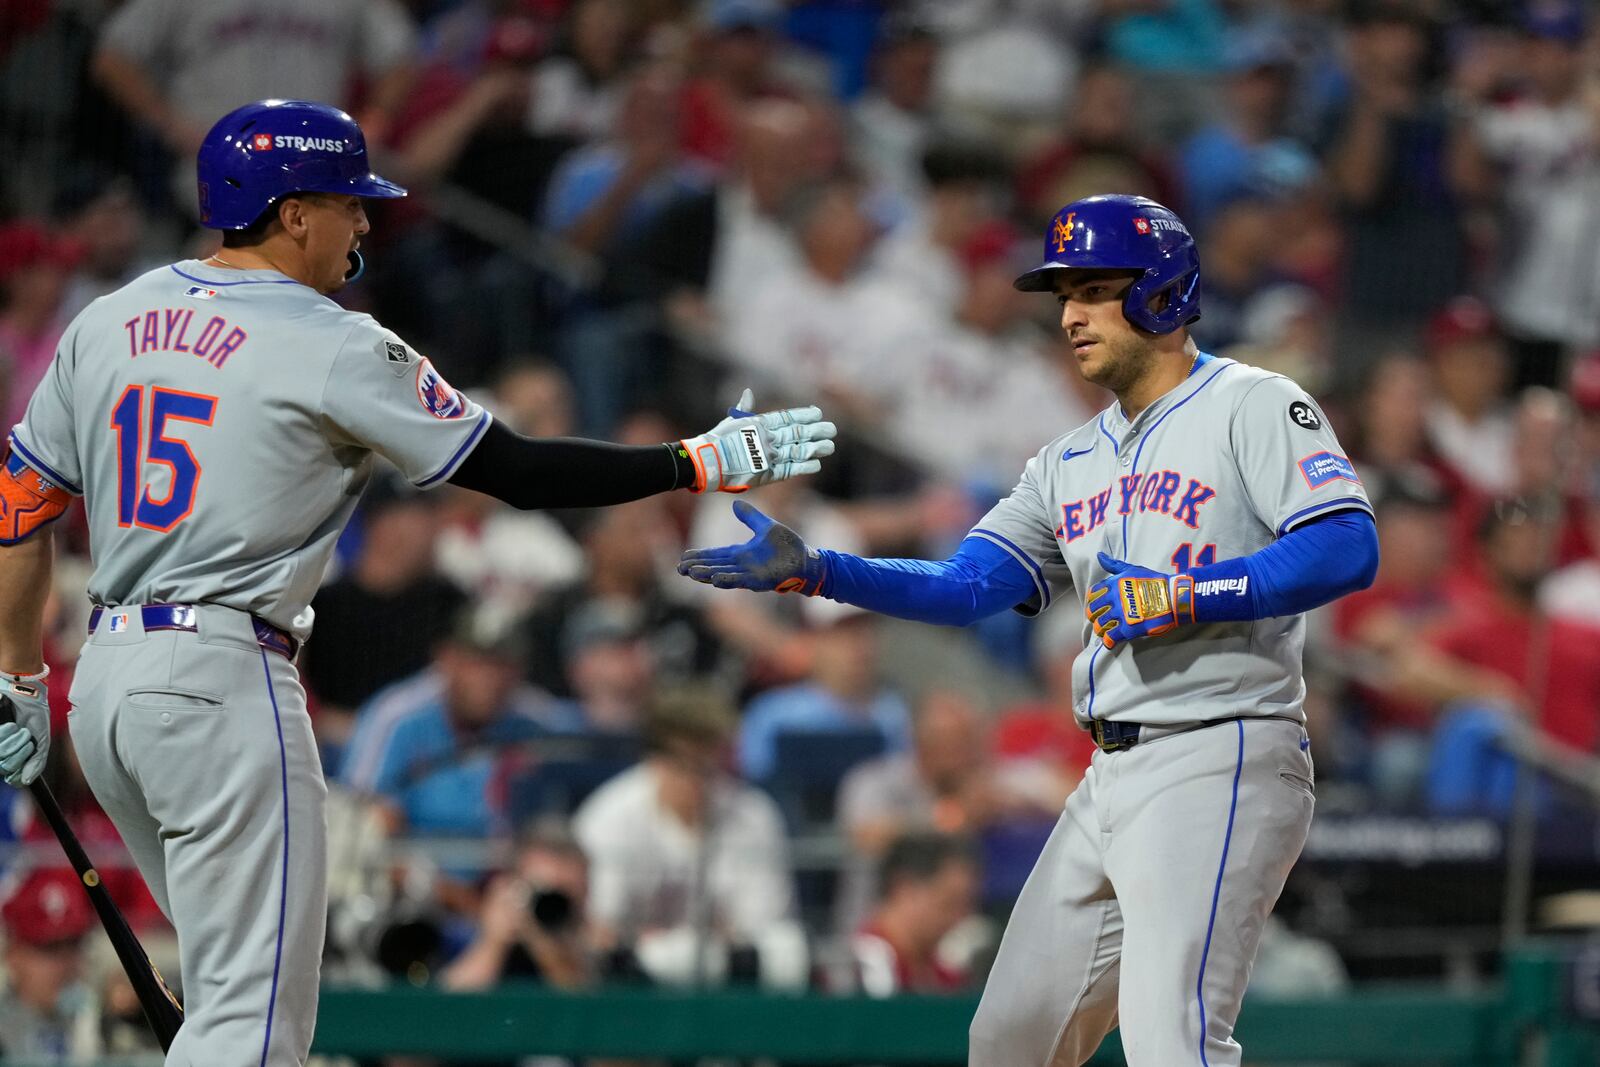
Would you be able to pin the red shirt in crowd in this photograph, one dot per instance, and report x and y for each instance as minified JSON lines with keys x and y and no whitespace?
{"x":1493,"y":634}
{"x":883,"y":969}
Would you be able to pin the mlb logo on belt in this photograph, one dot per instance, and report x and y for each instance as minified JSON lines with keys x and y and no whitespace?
{"x":118,"y":623}
{"x":262,"y":142}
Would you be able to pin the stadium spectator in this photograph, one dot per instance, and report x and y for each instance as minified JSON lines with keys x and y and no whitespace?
{"x":609,"y":665}
{"x":795,"y":329}
{"x":576,"y":89}
{"x":686,"y":861}
{"x":893,"y":122}
{"x":1410,"y":598}
{"x":947,"y":783}
{"x":601,"y":196}
{"x":1241,"y":270}
{"x":106,"y":221}
{"x":1545,"y":469}
{"x":1498,"y":647}
{"x":1544,"y":146}
{"x":1041,"y":750}
{"x":1398,"y":166}
{"x":427,"y":750}
{"x":843,"y":693}
{"x":1099,"y":149}
{"x":1469,"y":423}
{"x":623,"y":545}
{"x":964,"y":397}
{"x":736,"y":69}
{"x":704,"y":251}
{"x":930,"y":887}
{"x":36,"y":270}
{"x":533,"y":925}
{"x":378,"y":622}
{"x":1247,"y":152}
{"x":1391,"y":424}
{"x":177,"y":68}
{"x":965,"y":193}
{"x":47,"y":1013}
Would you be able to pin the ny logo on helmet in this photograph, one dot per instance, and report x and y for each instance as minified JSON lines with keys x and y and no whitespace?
{"x":1062,"y":232}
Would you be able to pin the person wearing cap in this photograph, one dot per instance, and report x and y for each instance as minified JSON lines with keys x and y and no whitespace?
{"x":46,"y":1012}
{"x":429,"y":757}
{"x":740,"y":43}
{"x":1541,"y":156}
{"x":1247,"y":151}
{"x":1469,"y":425}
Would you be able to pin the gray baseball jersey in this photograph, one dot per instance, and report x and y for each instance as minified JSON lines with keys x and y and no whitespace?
{"x":222,"y":425}
{"x":1231,"y":459}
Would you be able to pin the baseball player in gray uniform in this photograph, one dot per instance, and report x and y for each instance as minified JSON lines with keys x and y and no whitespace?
{"x":221,"y":418}
{"x":1198,"y":517}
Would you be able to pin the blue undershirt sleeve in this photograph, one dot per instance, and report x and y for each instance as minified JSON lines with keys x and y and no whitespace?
{"x":981,"y":579}
{"x":1314,"y":563}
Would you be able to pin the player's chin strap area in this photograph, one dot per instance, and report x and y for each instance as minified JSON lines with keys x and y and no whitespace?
{"x":358,"y":267}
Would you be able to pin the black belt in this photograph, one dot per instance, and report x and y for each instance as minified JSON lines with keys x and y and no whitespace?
{"x":182,"y":617}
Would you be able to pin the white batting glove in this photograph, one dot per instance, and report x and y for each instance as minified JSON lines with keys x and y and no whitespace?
{"x":745,"y":450}
{"x":25,"y":743}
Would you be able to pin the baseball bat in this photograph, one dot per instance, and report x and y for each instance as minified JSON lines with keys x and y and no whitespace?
{"x":161,"y":1008}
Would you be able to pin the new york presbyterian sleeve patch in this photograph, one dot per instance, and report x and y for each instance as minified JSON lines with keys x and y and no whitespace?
{"x":1321,"y":468}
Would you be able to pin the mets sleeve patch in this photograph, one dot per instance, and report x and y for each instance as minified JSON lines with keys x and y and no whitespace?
{"x":1320,"y":468}
{"x":438,"y":397}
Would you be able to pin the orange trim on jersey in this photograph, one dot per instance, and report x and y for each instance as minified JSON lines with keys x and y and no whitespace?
{"x":28,"y":501}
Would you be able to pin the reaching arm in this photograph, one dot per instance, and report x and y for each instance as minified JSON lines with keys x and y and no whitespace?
{"x":24,"y":585}
{"x":979,"y":580}
{"x":741,"y":451}
{"x":1311,"y":565}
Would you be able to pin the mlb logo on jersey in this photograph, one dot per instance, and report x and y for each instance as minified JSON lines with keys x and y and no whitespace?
{"x":117,"y":623}
{"x":438,"y":397}
{"x":200,"y":292}
{"x":1320,"y":468}
{"x":262,"y":142}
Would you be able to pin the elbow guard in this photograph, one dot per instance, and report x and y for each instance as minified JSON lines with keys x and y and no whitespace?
{"x":28,"y":500}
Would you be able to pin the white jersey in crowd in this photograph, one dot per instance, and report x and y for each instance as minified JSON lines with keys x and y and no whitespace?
{"x":1219,"y":467}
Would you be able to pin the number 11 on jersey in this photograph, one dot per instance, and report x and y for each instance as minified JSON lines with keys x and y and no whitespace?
{"x":1182,"y":561}
{"x":142,"y":438}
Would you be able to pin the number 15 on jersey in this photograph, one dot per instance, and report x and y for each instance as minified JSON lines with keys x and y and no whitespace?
{"x":142,"y":439}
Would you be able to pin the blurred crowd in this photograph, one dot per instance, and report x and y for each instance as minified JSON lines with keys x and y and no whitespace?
{"x":554,"y":760}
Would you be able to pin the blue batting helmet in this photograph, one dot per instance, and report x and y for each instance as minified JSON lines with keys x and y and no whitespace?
{"x":1127,"y":233}
{"x":263,"y":152}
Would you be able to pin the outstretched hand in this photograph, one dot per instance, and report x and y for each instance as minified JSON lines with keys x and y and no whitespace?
{"x":775,"y":559}
{"x":745,"y":450}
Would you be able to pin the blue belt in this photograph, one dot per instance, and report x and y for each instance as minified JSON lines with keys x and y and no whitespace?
{"x":182,"y":617}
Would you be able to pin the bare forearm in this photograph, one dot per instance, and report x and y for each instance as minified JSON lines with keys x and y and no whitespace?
{"x":24,"y":587}
{"x":479,"y":967}
{"x":131,"y":87}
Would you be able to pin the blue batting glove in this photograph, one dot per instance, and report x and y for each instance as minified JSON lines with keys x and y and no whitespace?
{"x":1136,"y":602}
{"x":774,"y":560}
